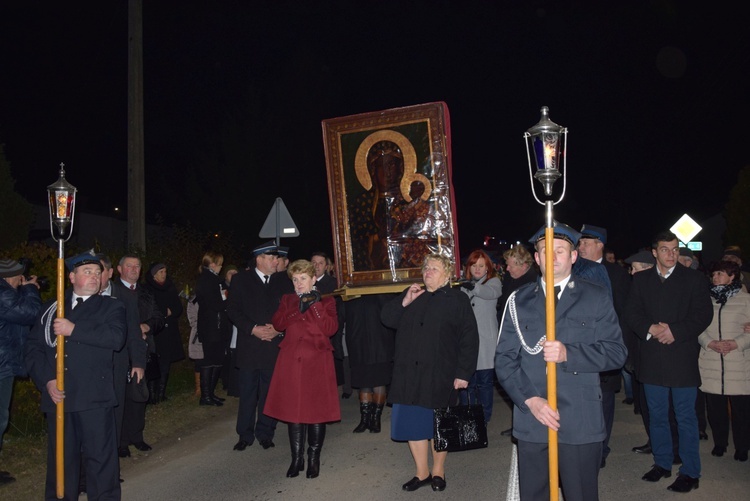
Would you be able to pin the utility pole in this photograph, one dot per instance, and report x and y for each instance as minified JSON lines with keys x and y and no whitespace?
{"x":136,"y":180}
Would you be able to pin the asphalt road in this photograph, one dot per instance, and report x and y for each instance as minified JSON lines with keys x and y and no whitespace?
{"x":370,"y":466}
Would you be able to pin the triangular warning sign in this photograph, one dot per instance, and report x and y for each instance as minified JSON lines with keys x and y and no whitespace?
{"x":279,"y":223}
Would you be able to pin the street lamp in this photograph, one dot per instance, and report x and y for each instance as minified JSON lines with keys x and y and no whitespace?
{"x":62,"y":201}
{"x":547,"y":143}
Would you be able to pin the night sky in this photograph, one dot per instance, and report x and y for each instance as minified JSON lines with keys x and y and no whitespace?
{"x":654,"y":94}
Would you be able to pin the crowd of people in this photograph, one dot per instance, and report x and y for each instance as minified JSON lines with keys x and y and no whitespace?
{"x":282,"y":343}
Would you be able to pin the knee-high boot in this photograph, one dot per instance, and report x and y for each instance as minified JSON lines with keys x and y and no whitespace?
{"x":153,"y":391}
{"x":378,"y":404}
{"x":297,"y":445}
{"x":365,"y":412}
{"x":206,"y":388}
{"x":215,"y":373}
{"x":316,"y":434}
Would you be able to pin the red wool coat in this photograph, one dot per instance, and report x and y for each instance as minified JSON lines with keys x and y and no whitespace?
{"x":303,"y":385}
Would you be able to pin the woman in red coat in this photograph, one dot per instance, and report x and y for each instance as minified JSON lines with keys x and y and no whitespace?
{"x":303,"y":390}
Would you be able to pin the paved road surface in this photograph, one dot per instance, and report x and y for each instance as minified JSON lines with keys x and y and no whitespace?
{"x":369,"y":466}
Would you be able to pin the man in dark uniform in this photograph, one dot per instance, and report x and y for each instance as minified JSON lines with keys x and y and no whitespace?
{"x":94,"y":328}
{"x":588,"y":342}
{"x":255,"y":297}
{"x":669,"y":306}
{"x":151,"y":322}
{"x":591,"y":247}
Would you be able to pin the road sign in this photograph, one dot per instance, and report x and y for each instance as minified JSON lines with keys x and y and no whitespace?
{"x":279,"y":223}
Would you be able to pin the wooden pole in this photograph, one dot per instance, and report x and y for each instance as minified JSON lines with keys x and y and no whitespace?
{"x":549,"y":241}
{"x":60,"y":376}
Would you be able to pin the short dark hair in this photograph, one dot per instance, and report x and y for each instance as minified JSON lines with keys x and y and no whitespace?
{"x":663,"y":236}
{"x":129,"y":255}
{"x":728,"y":267}
{"x":105,"y":260}
{"x":319,"y":254}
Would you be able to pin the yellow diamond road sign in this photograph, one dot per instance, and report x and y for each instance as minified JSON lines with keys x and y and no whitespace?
{"x":686,"y":228}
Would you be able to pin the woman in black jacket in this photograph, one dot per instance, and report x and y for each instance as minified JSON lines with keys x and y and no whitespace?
{"x":437,"y":343}
{"x":168,"y":340}
{"x":214,"y":328}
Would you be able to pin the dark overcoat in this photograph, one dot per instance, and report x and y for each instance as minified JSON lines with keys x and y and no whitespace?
{"x":100,"y":330}
{"x":168,"y":340}
{"x":587,"y":325}
{"x":303,"y":387}
{"x":253,"y":303}
{"x":683,"y":301}
{"x":437,"y":341}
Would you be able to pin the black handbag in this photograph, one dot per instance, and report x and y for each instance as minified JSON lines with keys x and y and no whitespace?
{"x":460,"y":428}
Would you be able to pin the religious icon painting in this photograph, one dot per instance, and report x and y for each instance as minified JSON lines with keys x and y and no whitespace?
{"x":389,"y":186}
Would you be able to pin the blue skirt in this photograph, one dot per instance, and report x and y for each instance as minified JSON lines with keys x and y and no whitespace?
{"x":411,"y":422}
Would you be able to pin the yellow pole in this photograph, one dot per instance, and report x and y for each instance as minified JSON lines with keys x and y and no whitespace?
{"x":60,"y":370}
{"x":554,"y":489}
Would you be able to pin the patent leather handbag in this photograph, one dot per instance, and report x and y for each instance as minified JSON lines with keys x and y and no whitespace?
{"x":460,"y":428}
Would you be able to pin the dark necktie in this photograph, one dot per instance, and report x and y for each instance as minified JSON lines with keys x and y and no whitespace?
{"x":557,"y":293}
{"x":265,"y":279}
{"x":79,"y":302}
{"x":132,"y":287}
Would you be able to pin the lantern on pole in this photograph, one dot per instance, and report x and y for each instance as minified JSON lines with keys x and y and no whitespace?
{"x":546,"y":144}
{"x":62,"y":199}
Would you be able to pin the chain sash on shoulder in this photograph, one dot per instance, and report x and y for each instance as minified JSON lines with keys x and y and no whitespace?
{"x":514,"y":317}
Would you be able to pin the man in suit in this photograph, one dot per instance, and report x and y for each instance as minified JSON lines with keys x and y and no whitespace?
{"x":150,"y":321}
{"x":255,"y":297}
{"x":130,"y":361}
{"x":669,"y":306}
{"x":93,"y":329}
{"x":591,"y":247}
{"x":588,"y":341}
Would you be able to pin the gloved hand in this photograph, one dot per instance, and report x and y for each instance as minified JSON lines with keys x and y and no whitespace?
{"x":466,"y":284}
{"x":308,"y":299}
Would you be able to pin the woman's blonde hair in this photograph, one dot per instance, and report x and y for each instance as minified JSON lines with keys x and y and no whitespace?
{"x":446,"y":262}
{"x":301,"y":266}
{"x":210,"y":257}
{"x":520,"y":254}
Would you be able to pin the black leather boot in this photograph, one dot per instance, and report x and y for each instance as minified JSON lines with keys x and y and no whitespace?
{"x":297,"y":444}
{"x":153,"y":391}
{"x":366,"y":409}
{"x":215,"y":373}
{"x":375,"y":423}
{"x":205,"y":388}
{"x":316,"y":434}
{"x":163,"y":388}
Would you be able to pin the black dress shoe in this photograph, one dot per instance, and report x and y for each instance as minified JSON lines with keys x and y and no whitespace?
{"x":740,"y":456}
{"x":683,"y":484}
{"x":644,"y":449}
{"x":267,"y":443}
{"x":415,"y":483}
{"x":507,"y":433}
{"x":718,"y":451}
{"x":603,"y":463}
{"x":628,"y":401}
{"x":123,"y":452}
{"x":677,"y":459}
{"x":346,"y":395}
{"x":703,"y":435}
{"x":438,"y":483}
{"x":142,"y":446}
{"x":656,"y":473}
{"x":242,"y":445}
{"x":6,"y":479}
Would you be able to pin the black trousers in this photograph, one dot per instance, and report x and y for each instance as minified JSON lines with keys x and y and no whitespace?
{"x":89,"y":441}
{"x":251,"y":422}
{"x":133,"y":422}
{"x":718,"y":415}
{"x":578,"y":468}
